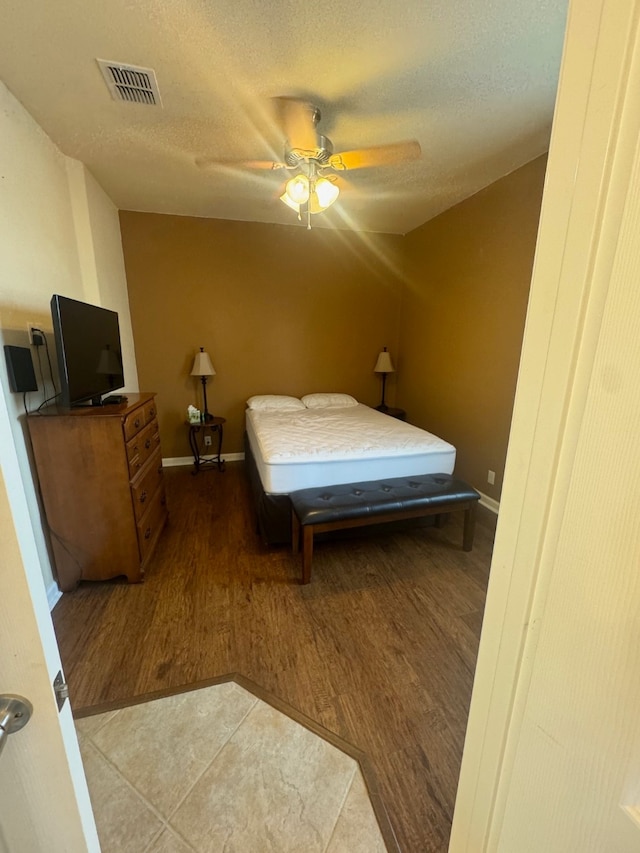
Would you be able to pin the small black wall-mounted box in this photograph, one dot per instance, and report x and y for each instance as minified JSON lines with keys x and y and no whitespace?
{"x":22,"y":376}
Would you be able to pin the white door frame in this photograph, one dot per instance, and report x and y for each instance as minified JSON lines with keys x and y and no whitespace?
{"x":592,"y":151}
{"x":44,"y":802}
{"x":584,"y":181}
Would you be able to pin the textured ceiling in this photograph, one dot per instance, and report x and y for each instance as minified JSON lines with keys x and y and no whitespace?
{"x":473,"y":81}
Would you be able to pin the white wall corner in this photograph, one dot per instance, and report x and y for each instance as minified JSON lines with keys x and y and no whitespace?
{"x":76,"y":177}
{"x":99,"y":246}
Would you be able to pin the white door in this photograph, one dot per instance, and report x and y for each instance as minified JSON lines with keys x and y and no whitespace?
{"x":44,"y":803}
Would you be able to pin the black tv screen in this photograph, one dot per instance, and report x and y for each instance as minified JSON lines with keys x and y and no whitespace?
{"x":89,"y":351}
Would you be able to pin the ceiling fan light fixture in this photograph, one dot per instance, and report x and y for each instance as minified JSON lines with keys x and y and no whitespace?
{"x":309,"y":193}
{"x":292,"y":204}
{"x":297,"y":189}
{"x":326,"y":192}
{"x":314,"y":205}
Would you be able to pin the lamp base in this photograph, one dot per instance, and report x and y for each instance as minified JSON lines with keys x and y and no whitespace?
{"x":207,"y":417}
{"x":383,"y":407}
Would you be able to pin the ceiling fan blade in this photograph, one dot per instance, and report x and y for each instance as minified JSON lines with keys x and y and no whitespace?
{"x":212,"y":162}
{"x":298,"y":122}
{"x":378,"y":155}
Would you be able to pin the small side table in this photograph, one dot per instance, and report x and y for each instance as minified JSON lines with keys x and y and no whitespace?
{"x":198,"y":441}
{"x":400,"y":414}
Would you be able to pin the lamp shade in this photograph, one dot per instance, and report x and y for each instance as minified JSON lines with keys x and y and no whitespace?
{"x":383,"y":364}
{"x":202,"y":364}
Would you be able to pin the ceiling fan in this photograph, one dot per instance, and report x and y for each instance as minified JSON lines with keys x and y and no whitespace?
{"x":313,"y":188}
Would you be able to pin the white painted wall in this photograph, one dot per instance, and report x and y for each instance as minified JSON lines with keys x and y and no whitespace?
{"x":109,"y":261}
{"x":59,"y":233}
{"x":101,"y":260}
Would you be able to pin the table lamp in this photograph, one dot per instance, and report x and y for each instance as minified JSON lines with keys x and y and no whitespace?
{"x":383,"y":366}
{"x":202,"y":367}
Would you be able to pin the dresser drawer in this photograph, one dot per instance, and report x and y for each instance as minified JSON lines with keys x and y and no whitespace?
{"x":134,"y":422}
{"x":142,"y":446}
{"x":150,"y":411}
{"x":144,"y":487}
{"x":151,"y":523}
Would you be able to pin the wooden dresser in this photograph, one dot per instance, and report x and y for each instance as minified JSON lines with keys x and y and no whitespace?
{"x":100,"y":473}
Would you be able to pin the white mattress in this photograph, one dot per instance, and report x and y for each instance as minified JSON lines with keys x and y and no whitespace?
{"x":323,"y":447}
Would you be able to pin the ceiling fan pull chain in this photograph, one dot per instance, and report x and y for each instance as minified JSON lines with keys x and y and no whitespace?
{"x":312,"y":189}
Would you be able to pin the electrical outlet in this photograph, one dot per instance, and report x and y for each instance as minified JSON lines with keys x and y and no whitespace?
{"x":491,"y":478}
{"x":36,"y":337}
{"x":207,"y":440}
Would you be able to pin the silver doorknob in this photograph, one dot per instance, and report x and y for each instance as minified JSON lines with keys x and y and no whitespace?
{"x":15,"y":713}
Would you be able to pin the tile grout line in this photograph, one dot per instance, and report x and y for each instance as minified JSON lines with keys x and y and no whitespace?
{"x":348,"y":788}
{"x":165,"y":821}
{"x":110,"y":716}
{"x":181,"y":801}
{"x":130,"y":785}
{"x":169,"y":828}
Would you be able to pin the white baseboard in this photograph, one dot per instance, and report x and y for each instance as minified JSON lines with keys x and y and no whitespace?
{"x":488,"y":502}
{"x":175,"y":461}
{"x":53,"y":596}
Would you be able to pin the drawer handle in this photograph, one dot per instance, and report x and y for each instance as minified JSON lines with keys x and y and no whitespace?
{"x":152,"y":413}
{"x":135,"y":448}
{"x":160,"y":468}
{"x":136,"y":465}
{"x":136,"y":423}
{"x":147,"y":444}
{"x":143,"y":496}
{"x":147,"y":533}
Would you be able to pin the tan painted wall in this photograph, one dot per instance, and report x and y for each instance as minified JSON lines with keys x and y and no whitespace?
{"x":468,"y":273}
{"x":278,"y":308}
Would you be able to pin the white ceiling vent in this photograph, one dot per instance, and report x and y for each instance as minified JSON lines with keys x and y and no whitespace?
{"x":130,"y":83}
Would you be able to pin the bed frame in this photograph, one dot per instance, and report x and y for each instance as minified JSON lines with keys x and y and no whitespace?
{"x":273,"y":512}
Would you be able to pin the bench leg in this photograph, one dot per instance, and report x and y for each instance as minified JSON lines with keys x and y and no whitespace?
{"x":307,"y":552}
{"x":295,"y":532}
{"x":441,"y":519}
{"x":469,"y":527}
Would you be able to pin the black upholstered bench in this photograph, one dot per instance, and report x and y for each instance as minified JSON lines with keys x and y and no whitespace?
{"x":357,"y":504}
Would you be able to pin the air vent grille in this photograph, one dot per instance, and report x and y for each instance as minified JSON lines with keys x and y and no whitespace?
{"x":130,"y":83}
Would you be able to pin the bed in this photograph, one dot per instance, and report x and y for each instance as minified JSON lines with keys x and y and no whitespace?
{"x":323,"y":440}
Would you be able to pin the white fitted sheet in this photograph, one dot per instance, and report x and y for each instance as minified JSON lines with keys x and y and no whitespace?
{"x":323,"y":447}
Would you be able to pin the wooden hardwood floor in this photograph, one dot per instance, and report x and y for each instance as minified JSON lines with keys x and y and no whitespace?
{"x":380,"y":647}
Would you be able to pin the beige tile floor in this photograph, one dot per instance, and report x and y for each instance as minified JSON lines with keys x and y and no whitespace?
{"x":217,"y":769}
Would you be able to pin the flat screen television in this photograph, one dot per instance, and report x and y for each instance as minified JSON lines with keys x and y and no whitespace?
{"x":89,"y":351}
